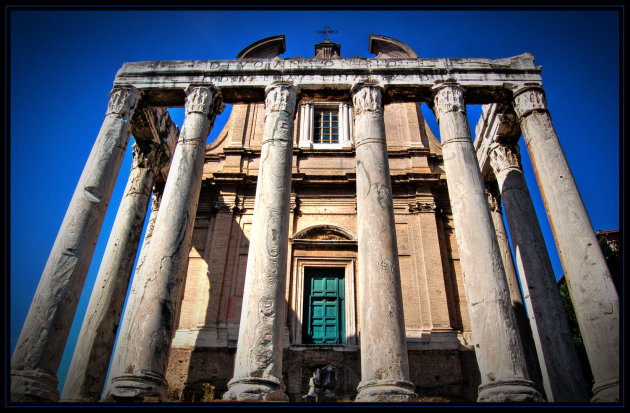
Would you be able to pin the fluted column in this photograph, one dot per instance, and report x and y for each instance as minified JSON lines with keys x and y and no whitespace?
{"x":41,"y":343}
{"x":497,"y":344}
{"x":141,"y":354}
{"x":511,"y":276}
{"x":559,"y":363}
{"x":384,"y":360}
{"x":258,"y":364}
{"x":591,"y":287}
{"x":88,"y":369}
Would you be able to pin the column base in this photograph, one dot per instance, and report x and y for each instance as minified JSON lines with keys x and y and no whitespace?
{"x":506,"y":391}
{"x":606,"y":392}
{"x":393,"y":391}
{"x":33,"y":386}
{"x":255,"y":389}
{"x":134,"y":388}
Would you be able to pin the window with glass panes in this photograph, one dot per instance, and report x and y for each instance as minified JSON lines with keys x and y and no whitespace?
{"x":326,"y":126}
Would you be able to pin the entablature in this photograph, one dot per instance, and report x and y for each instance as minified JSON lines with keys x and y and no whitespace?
{"x":404,"y":80}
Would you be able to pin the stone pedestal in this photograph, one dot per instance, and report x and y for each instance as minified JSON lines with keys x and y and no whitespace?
{"x":258,"y":364}
{"x":41,"y":343}
{"x":591,"y":287}
{"x":497,"y":343}
{"x":88,"y":369}
{"x":384,"y":361}
{"x":141,"y":354}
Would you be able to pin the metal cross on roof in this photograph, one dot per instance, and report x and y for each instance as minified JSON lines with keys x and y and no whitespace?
{"x":326,"y":31}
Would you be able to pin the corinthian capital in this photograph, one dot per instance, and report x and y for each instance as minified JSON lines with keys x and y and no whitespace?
{"x":280,"y":96}
{"x":367,"y":97}
{"x":149,"y":155}
{"x":529,"y":99}
{"x":198,"y":99}
{"x":123,"y":101}
{"x":504,"y":156}
{"x":448,"y":97}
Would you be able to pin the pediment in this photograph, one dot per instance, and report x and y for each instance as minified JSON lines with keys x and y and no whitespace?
{"x":324,"y":233}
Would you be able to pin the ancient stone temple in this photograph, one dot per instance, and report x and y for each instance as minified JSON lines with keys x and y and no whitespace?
{"x":325,"y":229}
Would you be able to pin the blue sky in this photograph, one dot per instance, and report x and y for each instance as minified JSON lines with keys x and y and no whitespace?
{"x":62,"y":64}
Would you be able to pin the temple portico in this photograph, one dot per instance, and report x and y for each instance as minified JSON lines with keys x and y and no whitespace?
{"x":361,"y":88}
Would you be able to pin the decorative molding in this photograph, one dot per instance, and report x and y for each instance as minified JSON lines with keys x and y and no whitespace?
{"x":324,"y":232}
{"x":228,"y":204}
{"x":423,"y":207}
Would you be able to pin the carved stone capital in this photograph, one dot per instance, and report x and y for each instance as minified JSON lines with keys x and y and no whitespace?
{"x":448,"y":97}
{"x":149,"y":156}
{"x":220,"y":206}
{"x":294,"y":205}
{"x":198,"y":99}
{"x":280,"y":96}
{"x":528,"y":100}
{"x":367,"y":97}
{"x":123,"y":101}
{"x":233,"y":205}
{"x":504,"y":156}
{"x":423,"y":207}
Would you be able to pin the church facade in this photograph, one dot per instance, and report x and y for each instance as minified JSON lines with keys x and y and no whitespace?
{"x":323,"y":323}
{"x":326,"y":229}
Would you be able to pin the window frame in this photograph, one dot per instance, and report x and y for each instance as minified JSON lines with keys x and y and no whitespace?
{"x":306,"y":127}
{"x":320,"y":115}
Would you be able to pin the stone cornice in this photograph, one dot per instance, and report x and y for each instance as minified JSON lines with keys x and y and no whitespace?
{"x":485,"y":80}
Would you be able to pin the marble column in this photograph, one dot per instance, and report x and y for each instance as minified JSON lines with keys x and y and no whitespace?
{"x":141,"y":354}
{"x":498,"y":348}
{"x":384,"y":360}
{"x":590,"y":284}
{"x":88,"y":368}
{"x":41,"y":343}
{"x":511,"y":276}
{"x":559,"y":363}
{"x":258,"y":364}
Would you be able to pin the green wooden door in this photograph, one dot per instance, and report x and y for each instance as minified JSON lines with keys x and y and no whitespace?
{"x":324,"y":306}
